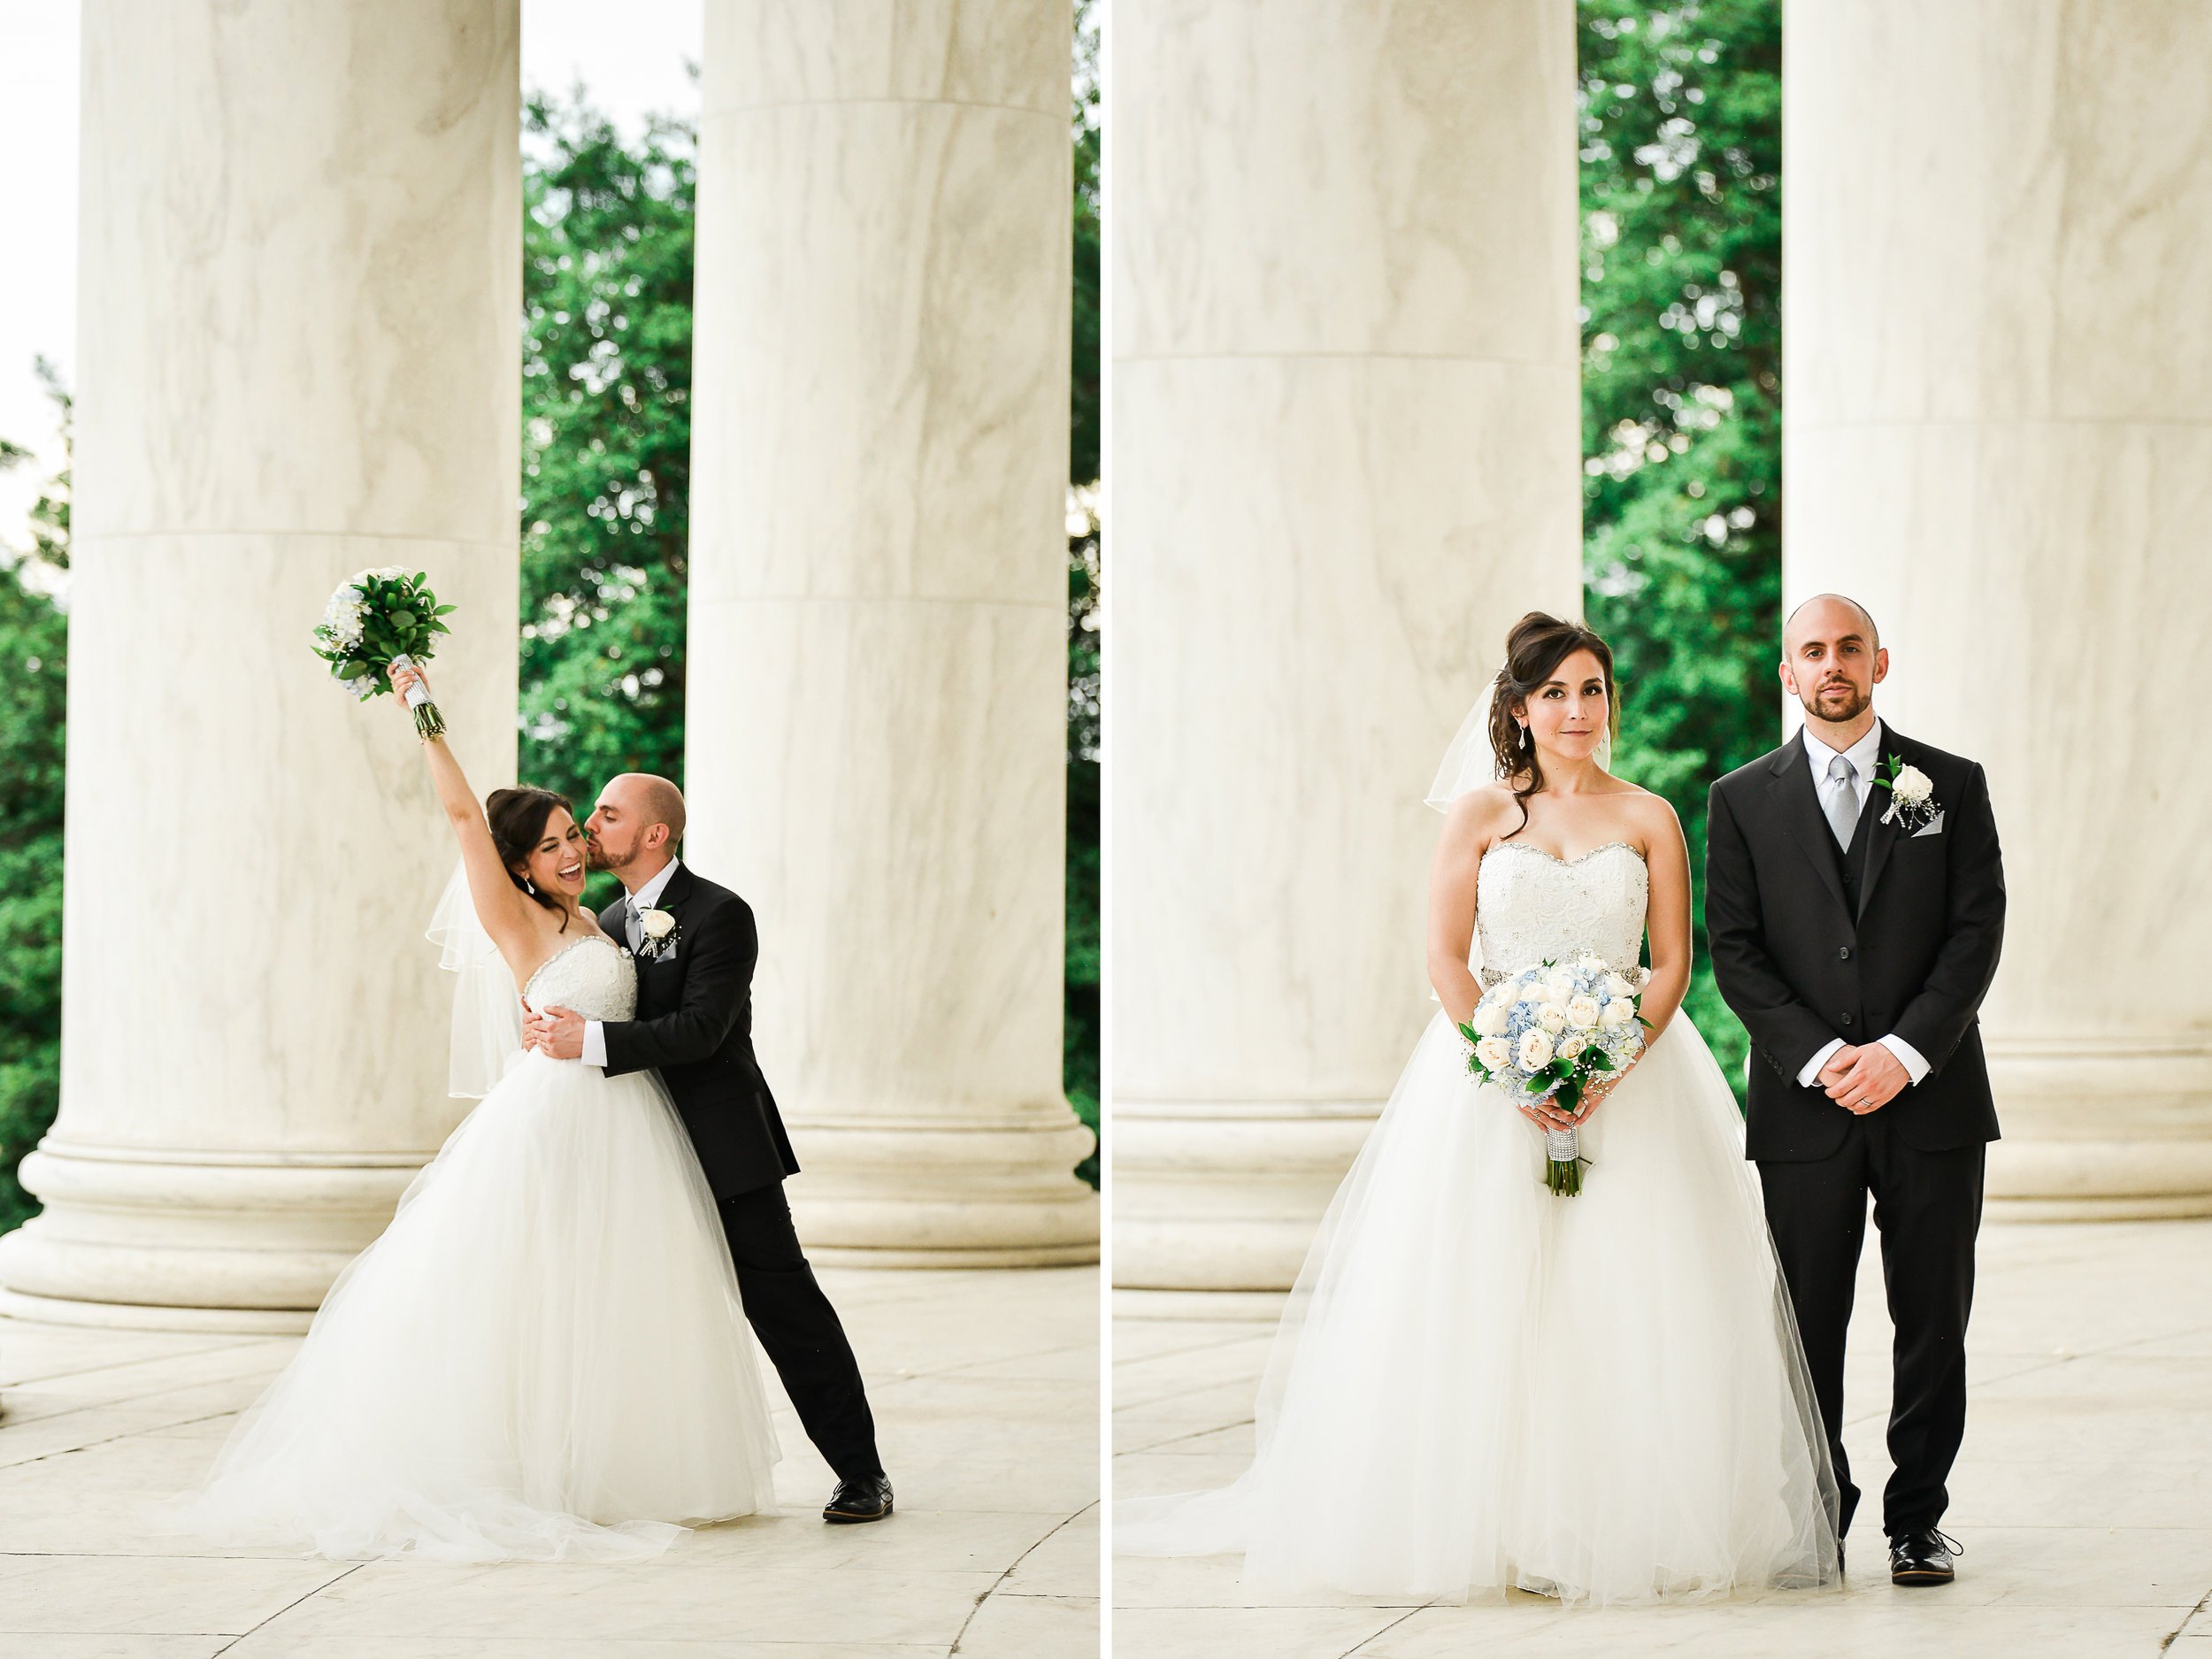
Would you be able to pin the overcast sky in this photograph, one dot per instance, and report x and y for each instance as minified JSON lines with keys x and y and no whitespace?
{"x":629,"y":70}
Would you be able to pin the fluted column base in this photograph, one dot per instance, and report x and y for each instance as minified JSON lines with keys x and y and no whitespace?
{"x":914,"y":1190}
{"x":2101,"y":1129}
{"x":1225,"y":1195}
{"x":188,"y":1240}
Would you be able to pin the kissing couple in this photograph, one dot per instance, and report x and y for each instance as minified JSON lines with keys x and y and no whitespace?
{"x":546,"y":1355}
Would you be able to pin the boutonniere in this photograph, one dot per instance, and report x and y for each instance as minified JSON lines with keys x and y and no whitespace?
{"x":660,"y":935}
{"x":1911,"y":794}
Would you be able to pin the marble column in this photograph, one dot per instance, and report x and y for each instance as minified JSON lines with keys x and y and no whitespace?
{"x":876,"y":707}
{"x":1998,"y":437}
{"x":299,"y":297}
{"x":1346,"y":457}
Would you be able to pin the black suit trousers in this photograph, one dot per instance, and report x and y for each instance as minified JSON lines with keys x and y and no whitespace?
{"x":1927,"y":1207}
{"x":800,"y":1331}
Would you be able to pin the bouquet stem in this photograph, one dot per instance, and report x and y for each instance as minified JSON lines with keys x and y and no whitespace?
{"x":428,"y":722}
{"x":1563,"y":1167}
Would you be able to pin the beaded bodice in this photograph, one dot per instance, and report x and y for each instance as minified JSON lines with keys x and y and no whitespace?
{"x":593,"y":975}
{"x":1530,"y":907}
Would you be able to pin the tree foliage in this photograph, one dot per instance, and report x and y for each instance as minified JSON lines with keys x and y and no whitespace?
{"x":34,"y":674}
{"x":1080,"y":1033}
{"x":606,"y":448}
{"x":1681,"y":145}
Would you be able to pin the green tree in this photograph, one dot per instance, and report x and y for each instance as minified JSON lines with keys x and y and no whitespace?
{"x":33,"y":649}
{"x":606,"y":448}
{"x":1681,"y":146}
{"x":1079,"y":1033}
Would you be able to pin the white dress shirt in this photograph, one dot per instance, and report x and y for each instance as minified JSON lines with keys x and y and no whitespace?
{"x":643,"y":899}
{"x":1864,"y":755}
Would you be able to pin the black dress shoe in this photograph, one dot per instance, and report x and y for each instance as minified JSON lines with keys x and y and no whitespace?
{"x":1922,"y":1558}
{"x":857,"y":1500}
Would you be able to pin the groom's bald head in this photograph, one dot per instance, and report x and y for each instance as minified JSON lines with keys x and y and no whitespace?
{"x":636,"y":826}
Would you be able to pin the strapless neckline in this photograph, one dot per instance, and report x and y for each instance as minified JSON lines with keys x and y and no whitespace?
{"x":588,"y":939}
{"x":1583,"y":857}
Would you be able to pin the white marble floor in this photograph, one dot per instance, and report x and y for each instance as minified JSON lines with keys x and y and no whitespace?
{"x":2084,"y":1493}
{"x":986,"y":1391}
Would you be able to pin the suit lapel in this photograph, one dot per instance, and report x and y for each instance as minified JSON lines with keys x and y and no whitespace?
{"x":1881,"y":837}
{"x":1798,"y":803}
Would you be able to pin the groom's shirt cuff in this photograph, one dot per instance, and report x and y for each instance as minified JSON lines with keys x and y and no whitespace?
{"x":595,"y":1043}
{"x":1806,"y":1079}
{"x":1908,"y":1056}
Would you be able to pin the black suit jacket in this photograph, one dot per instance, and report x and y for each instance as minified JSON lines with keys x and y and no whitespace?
{"x":694,"y":1022}
{"x":1800,"y":968}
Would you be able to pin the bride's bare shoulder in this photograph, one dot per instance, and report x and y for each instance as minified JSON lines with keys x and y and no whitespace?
{"x":1481,"y":815}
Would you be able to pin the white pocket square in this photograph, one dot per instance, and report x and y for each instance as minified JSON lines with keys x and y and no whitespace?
{"x":1935,"y":827}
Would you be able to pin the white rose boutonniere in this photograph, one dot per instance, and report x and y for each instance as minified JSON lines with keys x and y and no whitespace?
{"x":1911,"y":794}
{"x":658,"y":929}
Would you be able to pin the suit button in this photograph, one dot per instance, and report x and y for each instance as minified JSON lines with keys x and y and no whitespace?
{"x":1847,"y":1019}
{"x":1843,"y":953}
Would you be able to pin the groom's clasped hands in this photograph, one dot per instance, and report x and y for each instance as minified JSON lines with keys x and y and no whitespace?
{"x":1863,"y":1078}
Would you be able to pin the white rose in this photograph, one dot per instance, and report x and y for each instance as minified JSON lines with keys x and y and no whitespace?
{"x":1572,"y":1045}
{"x":1911,"y":786}
{"x":1490,"y":1020}
{"x":1534,"y":991}
{"x":1582,"y":1013}
{"x":1616,"y":985}
{"x":1494,"y":1052}
{"x":1562,"y":986}
{"x":656,"y":924}
{"x":1591,"y":964}
{"x":1616,"y":1015}
{"x":1552,"y":1018}
{"x":1535,"y":1049}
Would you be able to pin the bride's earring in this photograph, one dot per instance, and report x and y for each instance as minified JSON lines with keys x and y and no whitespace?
{"x":530,"y":886}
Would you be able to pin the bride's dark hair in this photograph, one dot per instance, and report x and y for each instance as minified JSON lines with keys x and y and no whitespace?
{"x":517,"y":818}
{"x":1535,"y":646}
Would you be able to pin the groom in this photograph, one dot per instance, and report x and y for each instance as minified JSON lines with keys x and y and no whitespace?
{"x":1855,"y":903}
{"x":696,"y":946}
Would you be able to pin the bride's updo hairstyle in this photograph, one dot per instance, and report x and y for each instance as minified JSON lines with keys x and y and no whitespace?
{"x":517,"y":818}
{"x":1535,"y":647}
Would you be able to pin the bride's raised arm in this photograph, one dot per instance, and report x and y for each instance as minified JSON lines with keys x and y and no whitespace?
{"x":500,"y":904}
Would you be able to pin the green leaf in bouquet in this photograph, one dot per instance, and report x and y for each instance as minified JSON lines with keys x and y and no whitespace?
{"x":421,"y":577}
{"x":439,"y":628}
{"x":402,"y":618}
{"x":445,"y":610}
{"x":1599,"y":1060}
{"x":353,"y":670}
{"x":1538,"y":1084}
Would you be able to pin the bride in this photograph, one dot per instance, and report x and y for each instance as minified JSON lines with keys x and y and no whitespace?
{"x":1478,"y":1386}
{"x":544,"y":1356}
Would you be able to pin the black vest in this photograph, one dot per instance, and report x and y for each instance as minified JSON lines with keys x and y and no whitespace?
{"x":1851,"y":860}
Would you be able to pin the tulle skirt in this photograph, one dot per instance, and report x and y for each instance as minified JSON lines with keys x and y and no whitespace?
{"x":1478,"y":1386}
{"x":543,"y":1357}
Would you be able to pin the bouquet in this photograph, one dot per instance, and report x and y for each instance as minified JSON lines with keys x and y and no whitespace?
{"x":379,"y":620}
{"x":1550,"y":1029}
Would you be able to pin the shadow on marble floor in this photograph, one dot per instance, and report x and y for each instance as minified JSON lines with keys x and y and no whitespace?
{"x":985,"y":1393}
{"x":2084,"y":1493}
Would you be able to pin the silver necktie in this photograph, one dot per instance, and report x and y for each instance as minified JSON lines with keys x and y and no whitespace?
{"x":632,"y":923}
{"x":1842,"y":805}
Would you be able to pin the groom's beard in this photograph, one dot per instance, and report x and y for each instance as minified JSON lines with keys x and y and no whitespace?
{"x":596,"y":858}
{"x":1852,"y":704}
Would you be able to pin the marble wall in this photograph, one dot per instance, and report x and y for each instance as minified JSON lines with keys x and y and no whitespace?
{"x":877,"y":699}
{"x":1346,"y":457}
{"x":1998,"y":226}
{"x":299,"y":277}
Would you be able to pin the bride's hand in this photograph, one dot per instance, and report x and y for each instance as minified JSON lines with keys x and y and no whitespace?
{"x":1546,"y":1115}
{"x":401,"y":678}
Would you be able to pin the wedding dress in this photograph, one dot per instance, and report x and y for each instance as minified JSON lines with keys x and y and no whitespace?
{"x":1478,"y":1385}
{"x":543,"y":1357}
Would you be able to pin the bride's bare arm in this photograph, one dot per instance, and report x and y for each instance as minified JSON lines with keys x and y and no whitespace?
{"x":1667,"y":921}
{"x":500,"y":906}
{"x":1452,"y":906}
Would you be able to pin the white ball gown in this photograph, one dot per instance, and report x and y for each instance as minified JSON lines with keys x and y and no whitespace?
{"x":543,"y":1357}
{"x":1479,"y":1386}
